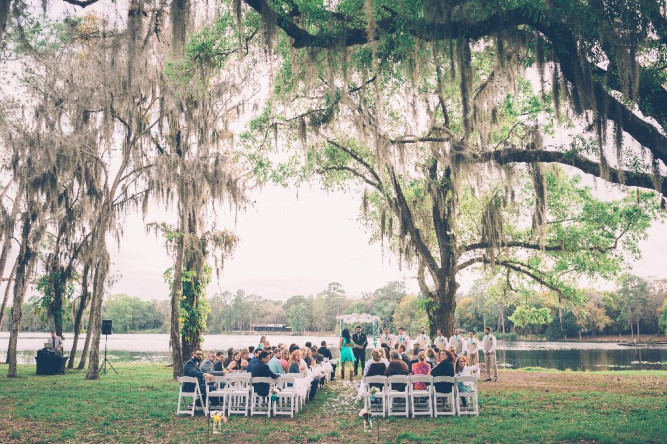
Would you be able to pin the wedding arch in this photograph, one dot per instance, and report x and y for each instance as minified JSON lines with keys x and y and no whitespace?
{"x":360,"y":318}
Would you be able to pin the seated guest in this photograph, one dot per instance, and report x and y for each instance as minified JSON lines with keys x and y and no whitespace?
{"x":251,"y":353}
{"x":284,"y":357}
{"x":445,"y":367}
{"x":244,"y":365}
{"x":377,"y":366}
{"x":293,"y":347}
{"x":316,"y":356}
{"x":229,"y":358}
{"x":235,"y":363}
{"x":387,"y":351}
{"x":295,"y":365}
{"x":420,"y":368}
{"x":414,"y":359}
{"x":309,"y":344}
{"x":380,"y":352}
{"x":397,"y":367}
{"x":245,"y":355}
{"x":465,"y":370}
{"x":307,"y":356}
{"x":404,"y":356}
{"x":431,"y":356}
{"x":263,"y":343}
{"x":274,"y":364}
{"x":56,"y":342}
{"x":219,"y":360}
{"x":191,"y":368}
{"x":324,"y":351}
{"x":208,"y":366}
{"x":261,"y":370}
{"x":253,"y":362}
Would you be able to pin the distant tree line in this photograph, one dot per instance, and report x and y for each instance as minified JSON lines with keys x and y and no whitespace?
{"x":637,"y":306}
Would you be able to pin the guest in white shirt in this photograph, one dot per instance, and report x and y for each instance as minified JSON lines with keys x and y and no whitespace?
{"x":489,"y":347}
{"x":387,"y":338}
{"x":440,"y":341}
{"x":472,"y":349}
{"x":402,"y":338}
{"x":423,"y":339}
{"x":457,"y":342}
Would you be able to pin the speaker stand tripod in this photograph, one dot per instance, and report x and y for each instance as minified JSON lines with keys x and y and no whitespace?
{"x":103,"y":367}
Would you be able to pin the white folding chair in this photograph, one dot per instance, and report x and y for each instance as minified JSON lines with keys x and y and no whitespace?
{"x":260,"y":405}
{"x":447,"y":406}
{"x":397,"y":401}
{"x":214,"y":389}
{"x":379,"y":405}
{"x":286,"y":402}
{"x":238,"y":393}
{"x":471,"y":407}
{"x":421,"y":401}
{"x":193,"y":396}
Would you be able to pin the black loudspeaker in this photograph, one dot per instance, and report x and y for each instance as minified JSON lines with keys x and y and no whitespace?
{"x":106,"y":327}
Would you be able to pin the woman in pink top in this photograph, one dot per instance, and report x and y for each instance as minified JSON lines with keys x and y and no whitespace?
{"x":420,"y":367}
{"x":284,"y":357}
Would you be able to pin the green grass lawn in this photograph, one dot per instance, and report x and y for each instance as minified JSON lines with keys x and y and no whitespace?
{"x":139,"y":404}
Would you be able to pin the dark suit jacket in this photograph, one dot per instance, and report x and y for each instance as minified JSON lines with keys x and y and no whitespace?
{"x":360,"y":339}
{"x":325,"y":352}
{"x":192,"y":369}
{"x":444,"y":368}
{"x":261,"y":370}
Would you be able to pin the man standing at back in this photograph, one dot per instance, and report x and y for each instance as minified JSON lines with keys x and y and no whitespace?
{"x":359,"y":350}
{"x":489,"y":347}
{"x":472,"y":349}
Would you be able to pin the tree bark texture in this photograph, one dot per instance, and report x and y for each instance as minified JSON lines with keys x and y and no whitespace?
{"x":78,"y":316}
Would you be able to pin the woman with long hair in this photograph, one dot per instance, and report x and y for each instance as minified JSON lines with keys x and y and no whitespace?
{"x":346,"y":355}
{"x":294,"y":363}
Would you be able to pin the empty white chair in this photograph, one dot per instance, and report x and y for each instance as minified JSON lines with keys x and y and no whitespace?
{"x":421,"y":401}
{"x":286,"y":402}
{"x":471,"y":407}
{"x":260,"y":405}
{"x":238,"y":393}
{"x":397,"y":401}
{"x":217,"y":388}
{"x":379,"y":405}
{"x":190,"y":393}
{"x":443,"y":403}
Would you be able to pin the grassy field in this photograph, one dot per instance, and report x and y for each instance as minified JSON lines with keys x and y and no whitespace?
{"x":138,"y":405}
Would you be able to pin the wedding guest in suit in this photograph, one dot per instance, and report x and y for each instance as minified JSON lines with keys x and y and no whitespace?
{"x":261,"y":370}
{"x":191,"y":368}
{"x":359,"y":350}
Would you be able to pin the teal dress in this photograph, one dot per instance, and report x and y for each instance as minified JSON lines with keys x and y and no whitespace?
{"x":346,"y":354}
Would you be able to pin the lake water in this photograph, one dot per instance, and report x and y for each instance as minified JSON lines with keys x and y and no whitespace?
{"x":517,"y":354}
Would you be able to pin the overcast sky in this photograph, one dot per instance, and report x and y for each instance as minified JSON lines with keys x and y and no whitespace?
{"x":296,"y":243}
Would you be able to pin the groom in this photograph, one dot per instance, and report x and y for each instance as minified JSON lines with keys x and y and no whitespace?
{"x":359,"y":350}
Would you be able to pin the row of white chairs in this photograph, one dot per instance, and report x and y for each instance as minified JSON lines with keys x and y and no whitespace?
{"x":388,"y":400}
{"x":236,"y":395}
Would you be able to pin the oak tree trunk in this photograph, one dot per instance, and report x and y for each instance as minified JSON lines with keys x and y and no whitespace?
{"x":78,"y":316}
